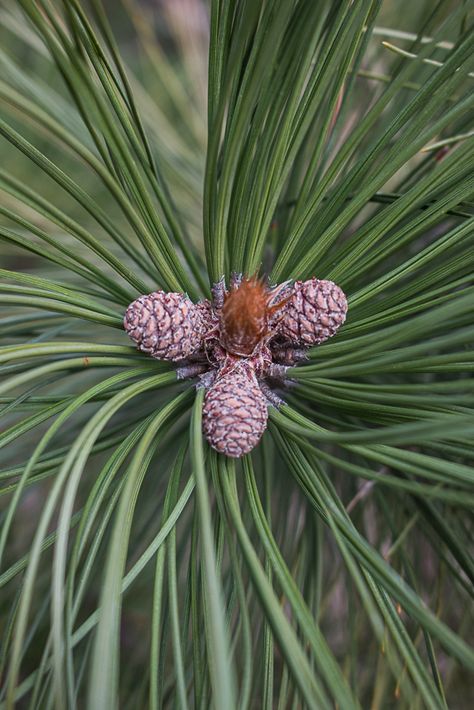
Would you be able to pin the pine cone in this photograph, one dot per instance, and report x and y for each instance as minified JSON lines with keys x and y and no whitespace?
{"x":234,"y":413}
{"x":314,"y":313}
{"x":168,"y":326}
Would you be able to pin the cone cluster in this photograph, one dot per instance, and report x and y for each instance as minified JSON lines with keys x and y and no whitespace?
{"x":169,"y":326}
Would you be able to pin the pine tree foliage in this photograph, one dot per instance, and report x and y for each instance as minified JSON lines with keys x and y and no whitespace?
{"x":151,"y":146}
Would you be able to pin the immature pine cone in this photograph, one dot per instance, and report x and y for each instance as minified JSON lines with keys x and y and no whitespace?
{"x":234,"y":415}
{"x":314,"y":312}
{"x":168,"y":326}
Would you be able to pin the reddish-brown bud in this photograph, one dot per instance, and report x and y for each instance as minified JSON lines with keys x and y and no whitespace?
{"x":235,"y":413}
{"x":243,"y":320}
{"x":314,"y":312}
{"x":168,"y":326}
{"x":247,"y":315}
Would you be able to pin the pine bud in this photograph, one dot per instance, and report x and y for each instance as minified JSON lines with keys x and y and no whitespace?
{"x":314,"y":312}
{"x":168,"y":326}
{"x":234,"y":413}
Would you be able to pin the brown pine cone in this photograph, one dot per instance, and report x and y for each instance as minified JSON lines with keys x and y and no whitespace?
{"x":314,"y":312}
{"x":235,"y":414}
{"x":168,"y":326}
